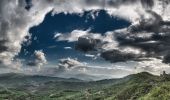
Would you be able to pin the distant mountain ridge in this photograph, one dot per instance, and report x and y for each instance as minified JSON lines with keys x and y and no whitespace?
{"x":140,"y":86}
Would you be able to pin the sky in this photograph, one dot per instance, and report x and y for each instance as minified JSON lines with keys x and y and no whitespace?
{"x":84,"y":39}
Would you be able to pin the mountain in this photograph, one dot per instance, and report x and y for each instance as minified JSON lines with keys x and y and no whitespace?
{"x":141,"y":86}
{"x":19,"y":79}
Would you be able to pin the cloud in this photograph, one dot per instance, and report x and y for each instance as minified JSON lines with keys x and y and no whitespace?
{"x":149,"y":37}
{"x":166,"y":58}
{"x":67,"y":48}
{"x":153,"y":65}
{"x":119,"y":56}
{"x":95,"y":42}
{"x":73,"y":68}
{"x":108,"y":47}
{"x":39,"y":59}
{"x":86,"y":43}
{"x":89,"y":55}
{"x":74,"y":35}
{"x":15,"y":22}
{"x":148,"y":4}
{"x":70,"y":64}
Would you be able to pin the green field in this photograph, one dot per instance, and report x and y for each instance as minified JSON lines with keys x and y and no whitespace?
{"x":141,"y":86}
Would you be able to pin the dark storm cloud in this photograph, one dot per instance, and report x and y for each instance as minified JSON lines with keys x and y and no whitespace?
{"x":149,"y":22}
{"x":32,"y":63}
{"x":2,"y":46}
{"x":151,"y":35}
{"x":166,"y":58}
{"x":147,"y":3}
{"x":86,"y":44}
{"x":118,"y":56}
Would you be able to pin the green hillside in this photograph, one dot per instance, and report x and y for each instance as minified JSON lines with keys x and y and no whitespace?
{"x":141,"y":86}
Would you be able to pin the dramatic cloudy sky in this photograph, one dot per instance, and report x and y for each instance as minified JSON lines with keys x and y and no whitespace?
{"x":86,"y":39}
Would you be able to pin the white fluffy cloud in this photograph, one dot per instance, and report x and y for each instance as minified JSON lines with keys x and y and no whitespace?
{"x":153,"y":65}
{"x":15,"y":22}
{"x":73,"y":68}
{"x":74,"y":35}
{"x":39,"y":59}
{"x":70,"y":64}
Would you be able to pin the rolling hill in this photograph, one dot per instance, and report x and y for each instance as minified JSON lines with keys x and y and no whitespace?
{"x":141,"y":86}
